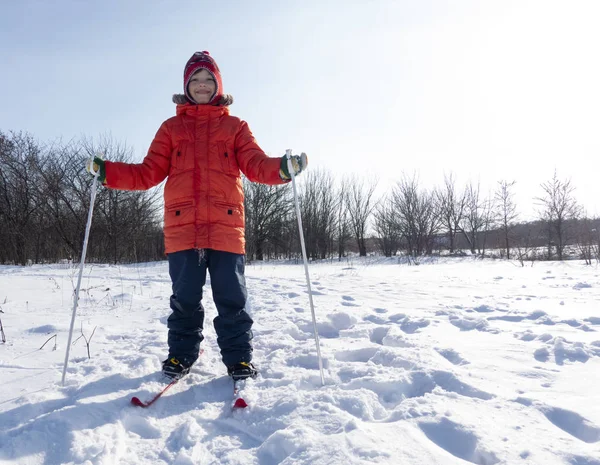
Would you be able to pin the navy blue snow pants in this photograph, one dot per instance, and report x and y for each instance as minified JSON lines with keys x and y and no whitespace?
{"x":186,"y":322}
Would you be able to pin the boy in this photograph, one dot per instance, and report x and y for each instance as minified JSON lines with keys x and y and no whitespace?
{"x":203,"y":150}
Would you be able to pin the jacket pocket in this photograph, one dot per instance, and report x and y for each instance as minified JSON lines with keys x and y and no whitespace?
{"x":180,"y":158}
{"x":179,"y":213}
{"x":228,"y":213}
{"x":227,"y":158}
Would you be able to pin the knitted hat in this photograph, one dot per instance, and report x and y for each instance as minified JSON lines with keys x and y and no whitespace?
{"x":203,"y":60}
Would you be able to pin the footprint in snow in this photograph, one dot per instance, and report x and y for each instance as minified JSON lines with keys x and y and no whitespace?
{"x":483,"y":309}
{"x":341,"y":320}
{"x":412,"y":326}
{"x":308,"y":361}
{"x":397,"y":318}
{"x":510,"y":318}
{"x":458,"y":441}
{"x":358,"y":355}
{"x":563,"y":350}
{"x":377,"y":334}
{"x":567,"y":420}
{"x":140,"y":426}
{"x":326,"y":330}
{"x":298,"y":334}
{"x":452,"y":356}
{"x":450,"y":383}
{"x":348,"y":301}
{"x":579,"y":286}
{"x":581,"y":460}
{"x":469,"y":324}
{"x":527,"y":335}
{"x":375,"y":319}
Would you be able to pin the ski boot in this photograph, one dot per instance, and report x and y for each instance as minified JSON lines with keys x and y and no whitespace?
{"x":242,"y":370}
{"x":174,"y":369}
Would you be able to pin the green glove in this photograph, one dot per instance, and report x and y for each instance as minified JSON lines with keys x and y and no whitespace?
{"x":96,"y":165}
{"x":299,"y":164}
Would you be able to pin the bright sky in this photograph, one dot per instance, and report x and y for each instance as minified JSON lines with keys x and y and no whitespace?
{"x":485,"y":89}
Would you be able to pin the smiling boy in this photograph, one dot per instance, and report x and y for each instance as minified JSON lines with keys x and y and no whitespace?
{"x":203,"y":151}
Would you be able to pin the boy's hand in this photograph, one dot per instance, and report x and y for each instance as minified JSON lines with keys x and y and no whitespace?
{"x":96,"y":165}
{"x":299,"y":164}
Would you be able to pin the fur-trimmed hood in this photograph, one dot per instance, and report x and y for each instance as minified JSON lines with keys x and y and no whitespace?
{"x":225,"y":101}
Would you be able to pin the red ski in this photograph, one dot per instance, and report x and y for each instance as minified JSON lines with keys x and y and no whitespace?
{"x":238,"y":401}
{"x":136,"y":400}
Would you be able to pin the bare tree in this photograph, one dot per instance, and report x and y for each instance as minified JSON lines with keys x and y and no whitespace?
{"x":451,"y":205}
{"x":44,"y":200}
{"x":524,"y":247}
{"x":65,"y":201}
{"x":489,"y":222}
{"x":19,"y":154}
{"x":417,"y":215}
{"x":125,"y":218}
{"x":471,"y":220}
{"x":477,"y":218}
{"x":343,"y":228}
{"x":266,"y":208}
{"x":587,"y":239}
{"x":559,"y":208}
{"x":506,"y":211}
{"x":360,"y":203}
{"x":318,"y":203}
{"x":386,"y":227}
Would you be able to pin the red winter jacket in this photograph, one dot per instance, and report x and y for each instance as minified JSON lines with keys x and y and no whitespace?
{"x":202,"y":151}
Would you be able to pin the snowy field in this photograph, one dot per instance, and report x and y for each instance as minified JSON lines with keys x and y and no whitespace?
{"x":454,"y":361}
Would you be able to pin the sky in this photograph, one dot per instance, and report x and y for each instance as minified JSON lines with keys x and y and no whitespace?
{"x":488,"y":91}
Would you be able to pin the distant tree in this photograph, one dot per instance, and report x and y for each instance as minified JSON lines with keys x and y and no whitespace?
{"x":66,"y":196}
{"x":19,"y":195}
{"x":470,"y":222}
{"x":558,"y":208}
{"x":360,"y":204}
{"x":123,"y":218}
{"x":524,"y":247}
{"x":506,"y":211}
{"x":343,"y":228}
{"x":318,"y":204}
{"x":586,"y":235}
{"x":451,"y":207}
{"x":417,"y":216}
{"x":386,"y":227}
{"x":266,"y":208}
{"x":127,"y":224}
{"x":476,"y":218}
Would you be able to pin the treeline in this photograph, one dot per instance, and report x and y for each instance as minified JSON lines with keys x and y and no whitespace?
{"x":45,"y":195}
{"x":45,"y":198}
{"x":415,"y":221}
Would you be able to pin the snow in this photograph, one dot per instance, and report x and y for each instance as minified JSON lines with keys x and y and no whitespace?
{"x":454,"y":361}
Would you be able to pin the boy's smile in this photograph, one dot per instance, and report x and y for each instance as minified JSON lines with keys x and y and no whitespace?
{"x":202,"y":86}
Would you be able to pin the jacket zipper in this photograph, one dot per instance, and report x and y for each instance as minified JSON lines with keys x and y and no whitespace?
{"x":208,"y":181}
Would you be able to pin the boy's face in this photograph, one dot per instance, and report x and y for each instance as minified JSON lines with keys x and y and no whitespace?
{"x":202,"y":86}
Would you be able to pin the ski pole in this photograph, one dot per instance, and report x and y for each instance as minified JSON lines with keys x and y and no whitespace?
{"x":288,"y":154}
{"x":83,"y":253}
